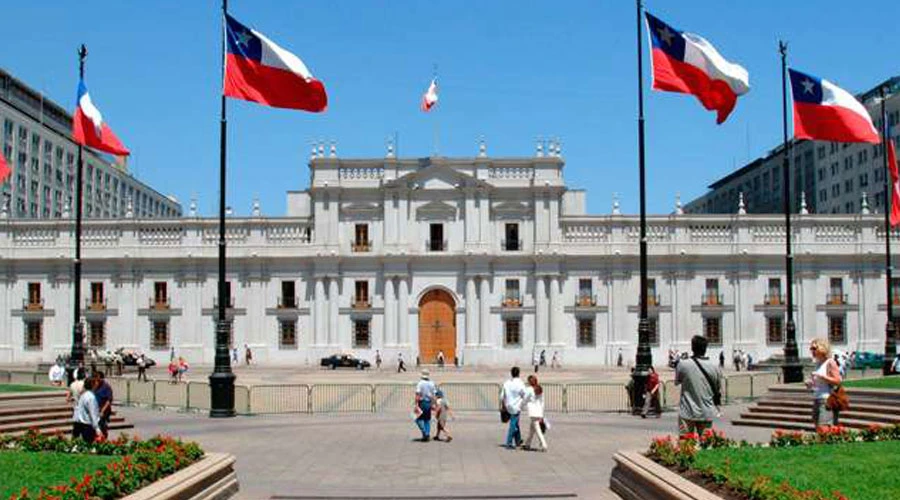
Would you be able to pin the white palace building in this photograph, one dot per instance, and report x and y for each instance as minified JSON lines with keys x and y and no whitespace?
{"x":486,"y":259}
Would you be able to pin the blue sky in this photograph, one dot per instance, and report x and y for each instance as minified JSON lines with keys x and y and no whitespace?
{"x":509,"y":70}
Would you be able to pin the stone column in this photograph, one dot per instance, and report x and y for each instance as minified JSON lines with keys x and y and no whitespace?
{"x":403,"y":221}
{"x":540,"y":309}
{"x":484,"y":331}
{"x":403,"y":311}
{"x":319,"y":313}
{"x":471,"y":312}
{"x":334,"y":302}
{"x":555,"y":324}
{"x":390,"y":310}
{"x":389,"y":220}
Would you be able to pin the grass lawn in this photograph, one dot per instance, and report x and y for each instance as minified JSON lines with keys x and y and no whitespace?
{"x":32,"y":470}
{"x":861,"y":471}
{"x":26,"y":388}
{"x":892,"y":382}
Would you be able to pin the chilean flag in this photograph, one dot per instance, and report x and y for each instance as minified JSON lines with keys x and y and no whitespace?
{"x":430,"y":97}
{"x":895,"y":183}
{"x":5,"y":171}
{"x":258,"y":70}
{"x":823,"y":111}
{"x":687,"y":63}
{"x":89,"y":129}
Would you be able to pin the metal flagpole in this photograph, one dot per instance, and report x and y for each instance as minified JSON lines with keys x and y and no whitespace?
{"x":436,"y":125}
{"x":644,"y":358}
{"x":890,"y":343}
{"x":76,"y":359}
{"x":221,"y":380}
{"x":792,"y":369}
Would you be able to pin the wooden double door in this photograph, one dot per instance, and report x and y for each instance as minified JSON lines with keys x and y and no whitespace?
{"x":437,"y":327}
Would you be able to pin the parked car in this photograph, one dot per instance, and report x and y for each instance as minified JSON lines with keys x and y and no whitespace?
{"x":345,"y":361}
{"x":129,"y":358}
{"x":868,"y":359}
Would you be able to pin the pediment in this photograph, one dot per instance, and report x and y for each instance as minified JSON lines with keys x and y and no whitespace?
{"x":436,"y":210}
{"x":436,"y":177}
{"x":511,"y":210}
{"x":361,"y":209}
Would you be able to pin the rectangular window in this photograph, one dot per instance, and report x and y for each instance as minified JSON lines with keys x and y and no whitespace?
{"x":160,"y":294}
{"x":361,"y":297}
{"x":836,"y":296}
{"x":586,"y":336}
{"x":512,"y":243}
{"x":288,"y":297}
{"x":361,"y":241}
{"x":585,"y":292}
{"x":287,"y":334}
{"x":97,"y":299}
{"x":512,"y":297}
{"x":512,"y":332}
{"x":34,"y":335}
{"x":711,"y":297}
{"x":712,"y":329}
{"x":653,"y":322}
{"x":361,"y":333}
{"x":97,"y":334}
{"x":775,"y":330}
{"x":652,"y":297}
{"x":160,"y":339}
{"x":34,"y":296}
{"x":837,"y":329}
{"x":436,"y":237}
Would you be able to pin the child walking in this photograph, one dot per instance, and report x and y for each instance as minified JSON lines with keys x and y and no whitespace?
{"x":442,"y":415}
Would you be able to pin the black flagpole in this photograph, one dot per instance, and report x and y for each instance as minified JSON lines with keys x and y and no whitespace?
{"x":792,"y":369}
{"x":221,"y":381}
{"x":890,"y":344}
{"x":644,"y":358}
{"x":76,"y":359}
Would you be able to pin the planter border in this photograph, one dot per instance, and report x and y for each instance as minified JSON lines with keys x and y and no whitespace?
{"x":210,"y":478}
{"x":636,"y":477}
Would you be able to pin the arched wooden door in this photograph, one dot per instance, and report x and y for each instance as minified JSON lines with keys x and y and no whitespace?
{"x":437,"y":326}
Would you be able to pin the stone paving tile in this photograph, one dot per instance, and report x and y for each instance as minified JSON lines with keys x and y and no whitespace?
{"x":375,"y":454}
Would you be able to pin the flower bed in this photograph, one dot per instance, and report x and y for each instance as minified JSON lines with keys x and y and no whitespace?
{"x":793,"y":465}
{"x":139,"y":463}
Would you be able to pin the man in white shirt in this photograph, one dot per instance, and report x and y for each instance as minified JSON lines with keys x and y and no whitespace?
{"x":511,"y":399}
{"x":425,"y":390}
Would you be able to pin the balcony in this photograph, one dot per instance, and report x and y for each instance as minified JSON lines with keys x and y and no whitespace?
{"x":159,"y":304}
{"x":287,"y":302}
{"x":585,"y":300}
{"x":229,"y":304}
{"x":33,"y":304}
{"x":435,"y":245}
{"x":836,"y":299}
{"x":511,"y":245}
{"x":361,"y":246}
{"x":512,"y":301}
{"x":711,"y":298}
{"x":95,"y":305}
{"x":361,"y":303}
{"x":773,"y":299}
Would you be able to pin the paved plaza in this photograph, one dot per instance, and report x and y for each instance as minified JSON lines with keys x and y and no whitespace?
{"x":376,"y":455}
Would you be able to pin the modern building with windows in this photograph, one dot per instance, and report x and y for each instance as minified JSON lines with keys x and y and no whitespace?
{"x":827,"y":177}
{"x":490,"y":260}
{"x":37,"y":143}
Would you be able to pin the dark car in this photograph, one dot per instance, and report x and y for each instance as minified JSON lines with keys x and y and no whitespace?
{"x":129,"y":358}
{"x":345,"y":361}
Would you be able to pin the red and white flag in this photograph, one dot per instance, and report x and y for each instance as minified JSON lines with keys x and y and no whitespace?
{"x":825,"y":112}
{"x":5,"y":171}
{"x":89,"y":129}
{"x":430,"y":98}
{"x":895,"y":183}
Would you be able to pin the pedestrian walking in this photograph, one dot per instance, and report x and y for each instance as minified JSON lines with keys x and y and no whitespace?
{"x":182,"y":368}
{"x":377,"y":360}
{"x":533,"y":402}
{"x":234,"y":355}
{"x":543,"y":357}
{"x":620,"y":359}
{"x":701,"y":381}
{"x":535,"y":360}
{"x":172,"y":353}
{"x":511,"y":400}
{"x":722,"y":359}
{"x":76,"y":388}
{"x":173,"y":372}
{"x":824,"y":380}
{"x":736,"y":359}
{"x":651,"y":395}
{"x":442,"y":415}
{"x":248,"y":355}
{"x":142,"y":367}
{"x":57,"y":373}
{"x":425,"y":391}
{"x":440,"y":359}
{"x":86,"y":415}
{"x":555,"y":361}
{"x":896,"y":367}
{"x":103,"y":392}
{"x":401,"y":366}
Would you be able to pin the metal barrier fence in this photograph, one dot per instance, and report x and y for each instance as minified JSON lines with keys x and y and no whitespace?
{"x":368,"y":398}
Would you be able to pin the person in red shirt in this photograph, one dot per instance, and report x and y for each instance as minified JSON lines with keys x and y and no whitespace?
{"x":651,"y":395}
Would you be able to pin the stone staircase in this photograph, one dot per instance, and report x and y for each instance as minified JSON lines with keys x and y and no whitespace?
{"x":46,"y":411}
{"x":790,"y":407}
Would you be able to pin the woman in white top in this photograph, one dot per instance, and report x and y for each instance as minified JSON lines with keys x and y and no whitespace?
{"x":533,"y":403}
{"x":86,"y":417}
{"x":826,"y":376}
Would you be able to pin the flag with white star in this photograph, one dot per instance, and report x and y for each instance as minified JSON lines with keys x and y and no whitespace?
{"x":823,"y":111}
{"x":686,"y":63}
{"x":258,"y":70}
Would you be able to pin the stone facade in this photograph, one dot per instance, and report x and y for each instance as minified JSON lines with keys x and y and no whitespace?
{"x":488,"y":259}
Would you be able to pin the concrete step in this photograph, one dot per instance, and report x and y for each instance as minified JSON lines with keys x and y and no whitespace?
{"x":855,"y":411}
{"x":35,"y":417}
{"x":775,"y":424}
{"x":856,"y":405}
{"x":33,"y":410}
{"x":48,"y":424}
{"x":32,"y":396}
{"x":67,"y":429}
{"x":782,"y":420}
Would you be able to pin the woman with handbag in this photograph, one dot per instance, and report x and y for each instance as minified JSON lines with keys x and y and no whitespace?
{"x":825,"y":381}
{"x":533,"y":402}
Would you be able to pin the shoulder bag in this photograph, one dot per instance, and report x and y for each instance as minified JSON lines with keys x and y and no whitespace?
{"x":717,"y":394}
